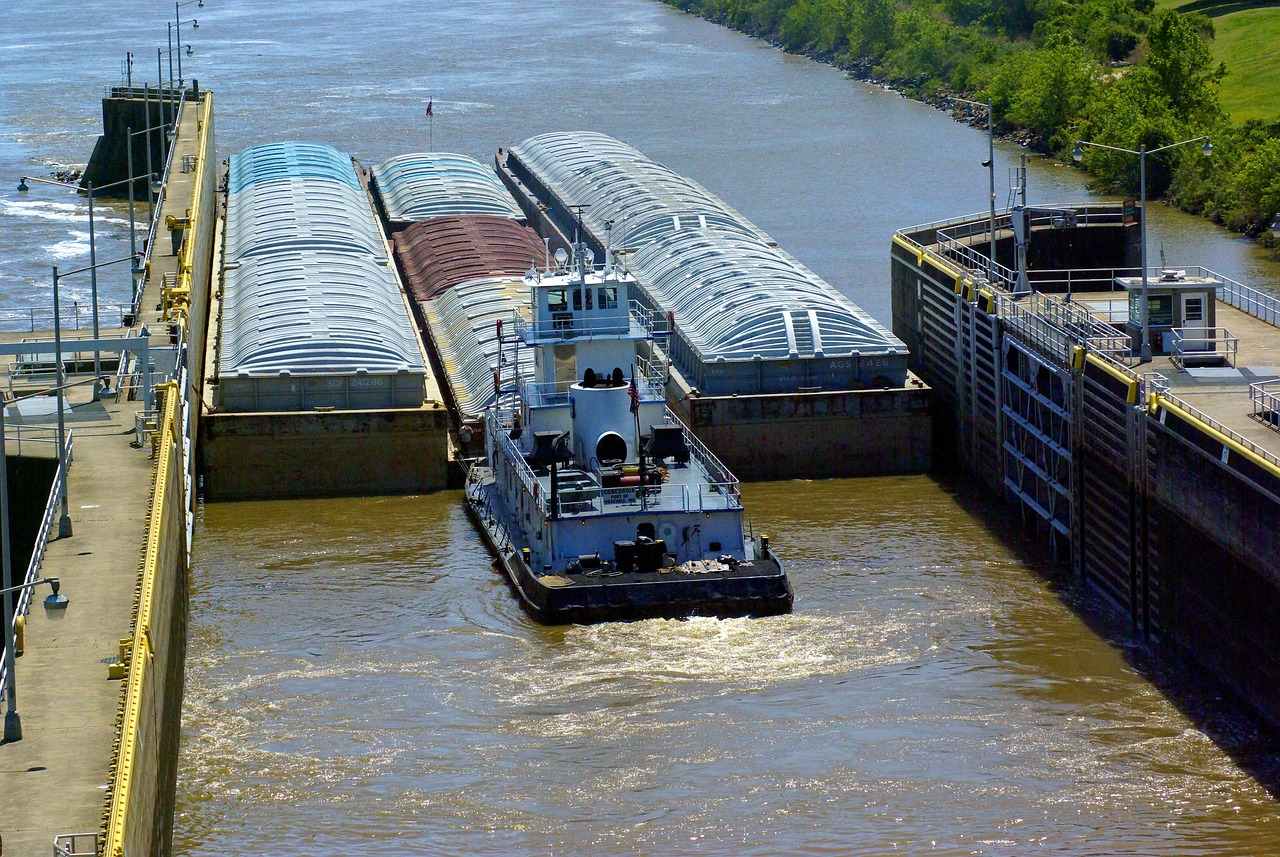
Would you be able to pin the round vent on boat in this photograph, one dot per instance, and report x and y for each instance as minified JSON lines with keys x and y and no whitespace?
{"x":611,"y":447}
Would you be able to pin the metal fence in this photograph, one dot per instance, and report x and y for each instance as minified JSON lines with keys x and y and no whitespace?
{"x":75,"y":845}
{"x":37,"y":551}
{"x":1265,"y":398}
{"x":1223,"y":430}
{"x":77,"y":316}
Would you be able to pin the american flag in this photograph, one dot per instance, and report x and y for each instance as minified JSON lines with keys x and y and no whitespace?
{"x":634,"y":392}
{"x":429,"y":108}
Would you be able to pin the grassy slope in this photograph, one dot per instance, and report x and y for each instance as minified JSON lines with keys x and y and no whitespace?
{"x":1248,"y":41}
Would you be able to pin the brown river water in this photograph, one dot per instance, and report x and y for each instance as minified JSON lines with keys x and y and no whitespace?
{"x":361,"y":681}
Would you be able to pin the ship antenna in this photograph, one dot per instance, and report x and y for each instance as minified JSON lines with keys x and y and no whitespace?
{"x":546,"y":254}
{"x":608,"y":247}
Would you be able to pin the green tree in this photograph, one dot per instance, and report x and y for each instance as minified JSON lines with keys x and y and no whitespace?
{"x":1180,"y":64}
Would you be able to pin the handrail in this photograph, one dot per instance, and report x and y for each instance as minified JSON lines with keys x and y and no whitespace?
{"x":556,"y":393}
{"x":38,"y":549}
{"x":70,"y":845}
{"x":44,"y":316}
{"x":649,"y":323}
{"x":1203,"y":342}
{"x":1265,"y":398}
{"x":1218,"y":427}
{"x":154,"y":226}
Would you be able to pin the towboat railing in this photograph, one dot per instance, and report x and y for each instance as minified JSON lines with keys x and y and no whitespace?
{"x":714,"y":468}
{"x":556,"y":393}
{"x":721,"y":493}
{"x":546,"y":395}
{"x":498,"y":426}
{"x":639,"y":323}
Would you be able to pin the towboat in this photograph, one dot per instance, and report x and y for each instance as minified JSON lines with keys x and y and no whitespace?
{"x":597,"y":502}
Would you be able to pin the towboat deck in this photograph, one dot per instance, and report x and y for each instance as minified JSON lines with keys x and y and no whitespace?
{"x":706,"y":587}
{"x":683,"y":488}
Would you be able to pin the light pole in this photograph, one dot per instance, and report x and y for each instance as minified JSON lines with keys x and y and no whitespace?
{"x":177,"y":15}
{"x":56,"y":601}
{"x":1077,"y":154}
{"x":64,"y":521}
{"x":178,"y":49}
{"x":93,"y":246}
{"x":990,"y":164}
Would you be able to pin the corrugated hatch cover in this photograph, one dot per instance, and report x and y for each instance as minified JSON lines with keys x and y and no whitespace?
{"x":438,"y":254}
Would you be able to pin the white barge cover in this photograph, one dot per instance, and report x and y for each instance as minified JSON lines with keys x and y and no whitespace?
{"x":424,"y":185}
{"x":312,"y":316}
{"x":749,"y":317}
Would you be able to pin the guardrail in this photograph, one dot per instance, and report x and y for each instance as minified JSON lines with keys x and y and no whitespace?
{"x":556,"y":393}
{"x":649,"y":322}
{"x":154,"y":227}
{"x":75,"y":845}
{"x":1235,"y":437}
{"x":1265,"y":398}
{"x":20,"y":434}
{"x":74,"y":317}
{"x":37,"y":550}
{"x":1203,"y":346}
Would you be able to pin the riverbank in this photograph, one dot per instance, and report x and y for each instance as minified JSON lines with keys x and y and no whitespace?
{"x":1153,"y":83}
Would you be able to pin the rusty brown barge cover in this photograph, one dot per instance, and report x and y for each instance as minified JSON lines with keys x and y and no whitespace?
{"x":443,"y":252}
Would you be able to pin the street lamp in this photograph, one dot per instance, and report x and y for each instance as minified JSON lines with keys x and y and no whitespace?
{"x":150,"y":174}
{"x":990,"y":164}
{"x":179,"y":48}
{"x":55,"y":601}
{"x":1077,"y":154}
{"x":64,"y":522}
{"x":93,"y":247}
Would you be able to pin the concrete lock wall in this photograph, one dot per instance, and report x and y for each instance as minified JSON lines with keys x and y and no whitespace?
{"x":195,"y":270}
{"x":138,"y":816}
{"x":1215,"y":534}
{"x":1172,"y":522}
{"x":136,"y":108}
{"x":308,"y":454}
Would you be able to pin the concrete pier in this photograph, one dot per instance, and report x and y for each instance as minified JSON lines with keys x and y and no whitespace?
{"x":58,"y":779}
{"x":1158,"y":482}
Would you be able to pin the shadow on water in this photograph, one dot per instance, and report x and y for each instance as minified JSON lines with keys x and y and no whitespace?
{"x":1216,"y":710}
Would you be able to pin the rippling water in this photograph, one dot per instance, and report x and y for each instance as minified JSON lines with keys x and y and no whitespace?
{"x":360,"y":681}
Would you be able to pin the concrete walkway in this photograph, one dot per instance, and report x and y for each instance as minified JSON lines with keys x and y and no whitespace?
{"x":54,"y":780}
